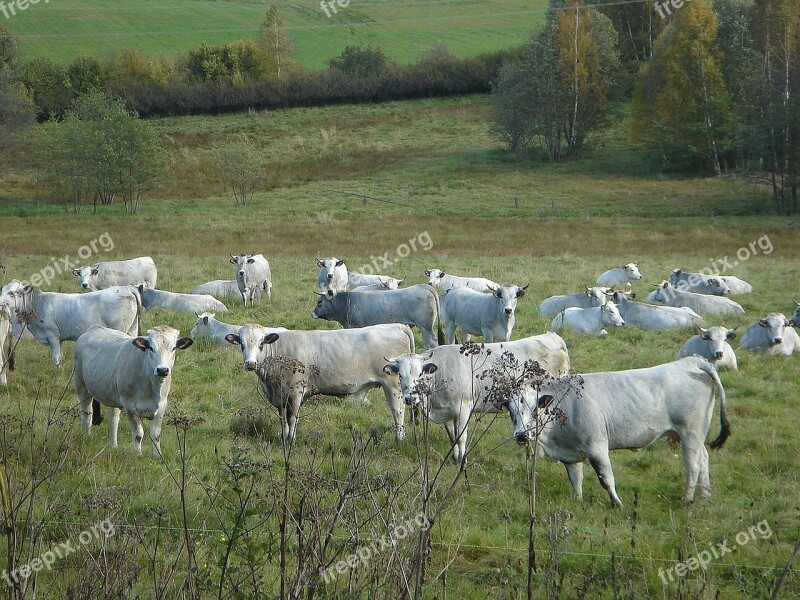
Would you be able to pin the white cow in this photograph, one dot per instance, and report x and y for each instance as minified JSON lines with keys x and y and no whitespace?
{"x":252,"y":275}
{"x":772,"y":335}
{"x":599,"y":412}
{"x":18,"y":329}
{"x":702,"y":304}
{"x":103,"y":275}
{"x":180,"y":302}
{"x":208,"y":327}
{"x":341,"y":363}
{"x":712,"y":344}
{"x":450,"y":384}
{"x":620,"y":276}
{"x":589,"y":321}
{"x":795,"y":317}
{"x":490,"y":315}
{"x":593,"y":296}
{"x":444,"y":281}
{"x":360,"y":280}
{"x":133,"y":374}
{"x":654,"y":318}
{"x":735,"y":285}
{"x":61,"y":317}
{"x":219,"y":288}
{"x":332,"y":275}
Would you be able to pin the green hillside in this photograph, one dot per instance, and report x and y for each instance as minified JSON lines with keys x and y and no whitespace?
{"x":63,"y":29}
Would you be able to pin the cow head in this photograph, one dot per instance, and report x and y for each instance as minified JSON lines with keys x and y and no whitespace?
{"x":508,"y":295}
{"x":525,"y":407}
{"x":774,"y":324}
{"x":324,"y":308}
{"x":598,"y":295}
{"x":327,"y":268}
{"x":663,"y":291}
{"x":85,"y":274}
{"x":159,"y":347}
{"x":251,"y":340}
{"x":715,"y":339}
{"x":632,"y":271}
{"x":621,"y":297}
{"x":434,"y":275}
{"x":610,"y":315}
{"x":675,"y":276}
{"x":795,"y":320}
{"x":414,"y":371}
{"x":201,"y":324}
{"x":717,"y":286}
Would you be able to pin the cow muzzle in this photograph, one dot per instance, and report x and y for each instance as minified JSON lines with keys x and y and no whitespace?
{"x":330,"y":276}
{"x":777,"y":340}
{"x":162,"y":371}
{"x":509,"y":311}
{"x":250,"y":365}
{"x":85,"y":286}
{"x":717,"y":355}
{"x":522,"y":437}
{"x":410,"y":399}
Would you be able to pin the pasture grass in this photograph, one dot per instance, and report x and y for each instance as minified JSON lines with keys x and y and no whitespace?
{"x":454,"y":184}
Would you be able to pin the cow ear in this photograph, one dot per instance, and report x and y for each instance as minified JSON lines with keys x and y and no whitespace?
{"x":233,"y":260}
{"x":763,"y":323}
{"x":141,"y":343}
{"x":232,"y":338}
{"x":442,"y":274}
{"x":250,"y":261}
{"x":205,"y":320}
{"x":521,"y":291}
{"x":320,"y":263}
{"x":184,"y":343}
{"x":270,"y":338}
{"x":544,"y":401}
{"x":429,"y":368}
{"x":76,"y":272}
{"x":95,"y":270}
{"x":339,"y":263}
{"x":329,"y":294}
{"x":27,"y":289}
{"x":391,"y":369}
{"x":730,"y":335}
{"x":140,"y":287}
{"x":428,"y":272}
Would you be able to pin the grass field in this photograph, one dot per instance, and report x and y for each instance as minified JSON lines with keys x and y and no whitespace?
{"x":449,"y":178}
{"x":64,"y":29}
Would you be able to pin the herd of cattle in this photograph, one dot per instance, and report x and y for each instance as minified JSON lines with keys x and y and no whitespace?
{"x":115,"y":365}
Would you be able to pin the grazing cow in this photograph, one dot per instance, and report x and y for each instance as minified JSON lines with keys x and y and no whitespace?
{"x":332,"y":275}
{"x":620,"y":276}
{"x":61,"y":317}
{"x":702,"y":304}
{"x":359,"y":280}
{"x":589,"y":321}
{"x":129,"y":373}
{"x":208,"y":327}
{"x":586,"y":416}
{"x":103,"y":275}
{"x":654,"y":318}
{"x":252,"y":275}
{"x":490,"y":315}
{"x":593,"y":296}
{"x":416,"y":305}
{"x":337,"y":363}
{"x":453,"y":386}
{"x":772,"y":335}
{"x":712,"y":344}
{"x":180,"y":302}
{"x":219,"y":288}
{"x":6,"y":339}
{"x":735,"y":285}
{"x":444,"y":281}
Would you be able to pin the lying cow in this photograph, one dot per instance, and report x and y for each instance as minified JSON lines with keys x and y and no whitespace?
{"x":208,"y":327}
{"x":702,"y":304}
{"x":61,"y":317}
{"x":416,"y":305}
{"x":712,"y":344}
{"x":795,"y":320}
{"x":133,"y":374}
{"x":359,"y":280}
{"x":654,"y":318}
{"x":450,"y":385}
{"x":444,"y":281}
{"x":589,"y":321}
{"x":772,"y":335}
{"x":219,"y":288}
{"x":593,"y":296}
{"x":103,"y":275}
{"x":339,"y":363}
{"x":620,"y":276}
{"x":599,"y":412}
{"x":490,"y":315}
{"x":711,"y":286}
{"x":734,"y":284}
{"x":193,"y":303}
{"x":332,"y":275}
{"x":252,"y":275}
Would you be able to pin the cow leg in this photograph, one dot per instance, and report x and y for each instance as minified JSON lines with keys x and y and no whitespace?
{"x":692,"y":463}
{"x":450,"y":332}
{"x":601,"y":464}
{"x":359,"y":397}
{"x":488,"y":336}
{"x":460,"y":449}
{"x":155,"y":429}
{"x":428,"y":338}
{"x":575,"y":474}
{"x":55,"y":350}
{"x":450,"y":428}
{"x":113,"y":426}
{"x":268,"y":289}
{"x":137,"y":431}
{"x":704,"y":481}
{"x":291,"y":412}
{"x":395,"y":401}
{"x":87,"y":404}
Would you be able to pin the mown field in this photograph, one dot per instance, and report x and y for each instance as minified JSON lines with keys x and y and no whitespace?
{"x":64,"y":29}
{"x":556,"y":227}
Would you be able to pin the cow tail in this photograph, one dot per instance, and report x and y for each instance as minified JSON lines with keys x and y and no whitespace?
{"x":138,"y":310}
{"x":725,"y":426}
{"x":438,"y":316}
{"x":411,"y":344}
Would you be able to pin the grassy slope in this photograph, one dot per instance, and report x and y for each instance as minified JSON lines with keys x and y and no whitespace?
{"x":436,"y":157}
{"x":63,"y":29}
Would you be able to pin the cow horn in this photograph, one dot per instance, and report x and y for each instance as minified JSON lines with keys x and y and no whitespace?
{"x":197,"y":314}
{"x":318,"y":293}
{"x":701,"y":329}
{"x":795,"y":302}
